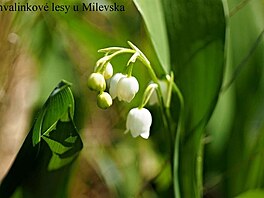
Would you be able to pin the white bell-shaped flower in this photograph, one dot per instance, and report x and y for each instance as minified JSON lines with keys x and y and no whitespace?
{"x":139,"y":122}
{"x":127,"y":88}
{"x":113,"y":84}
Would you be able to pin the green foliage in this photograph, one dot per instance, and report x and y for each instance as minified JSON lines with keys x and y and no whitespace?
{"x":45,"y":157}
{"x":207,"y":143}
{"x":153,"y":16}
{"x":197,"y":38}
{"x":196,"y":34}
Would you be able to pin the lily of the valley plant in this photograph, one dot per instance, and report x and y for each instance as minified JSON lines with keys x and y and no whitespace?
{"x":124,"y":86}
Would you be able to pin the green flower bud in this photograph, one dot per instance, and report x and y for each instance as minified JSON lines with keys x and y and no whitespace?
{"x":96,"y":82}
{"x":104,"y":100}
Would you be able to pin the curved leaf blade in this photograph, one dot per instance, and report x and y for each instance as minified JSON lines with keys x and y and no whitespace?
{"x":152,"y":13}
{"x":196,"y":31}
{"x":55,"y":108}
{"x":41,"y":165}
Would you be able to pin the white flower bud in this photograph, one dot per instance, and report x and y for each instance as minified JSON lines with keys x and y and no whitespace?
{"x":104,"y":100}
{"x":113,"y":84}
{"x":164,"y":91}
{"x":139,"y":122}
{"x":108,"y":73}
{"x":127,"y":88}
{"x":96,"y":82}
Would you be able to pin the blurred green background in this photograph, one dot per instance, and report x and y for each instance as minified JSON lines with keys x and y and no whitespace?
{"x":215,"y":49}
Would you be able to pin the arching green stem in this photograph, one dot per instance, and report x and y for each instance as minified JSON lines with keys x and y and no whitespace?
{"x":177,"y":141}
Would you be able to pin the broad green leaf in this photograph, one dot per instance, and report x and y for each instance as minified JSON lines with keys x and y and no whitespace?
{"x":153,"y":15}
{"x":45,"y":157}
{"x":64,"y":146}
{"x":196,"y":30}
{"x":244,"y":150}
{"x":58,"y":107}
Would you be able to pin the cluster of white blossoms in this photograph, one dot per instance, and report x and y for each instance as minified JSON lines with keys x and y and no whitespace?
{"x":123,"y":86}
